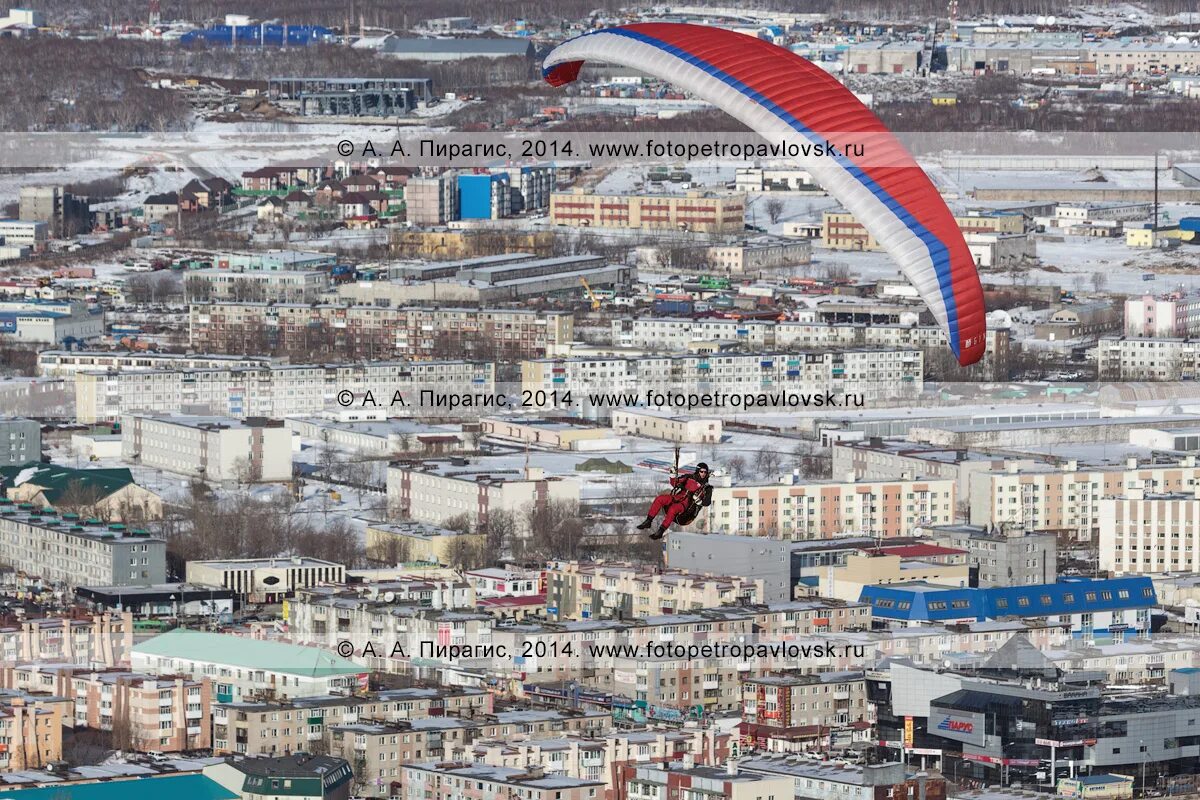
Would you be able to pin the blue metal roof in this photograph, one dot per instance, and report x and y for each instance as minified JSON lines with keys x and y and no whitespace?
{"x":191,"y":787}
{"x":923,"y":602}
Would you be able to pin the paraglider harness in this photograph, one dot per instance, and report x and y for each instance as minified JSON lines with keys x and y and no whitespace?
{"x":695,"y":500}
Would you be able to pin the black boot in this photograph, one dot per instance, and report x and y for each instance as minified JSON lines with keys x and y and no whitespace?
{"x":645,"y":526}
{"x":658,"y":534}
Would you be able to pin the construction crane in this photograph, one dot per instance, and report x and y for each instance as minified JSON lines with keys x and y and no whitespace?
{"x":591,"y":295}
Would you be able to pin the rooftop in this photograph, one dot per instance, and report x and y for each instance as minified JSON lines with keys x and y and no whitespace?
{"x":218,"y":648}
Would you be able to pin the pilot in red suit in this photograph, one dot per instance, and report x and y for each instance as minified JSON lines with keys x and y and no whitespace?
{"x":683,"y":489}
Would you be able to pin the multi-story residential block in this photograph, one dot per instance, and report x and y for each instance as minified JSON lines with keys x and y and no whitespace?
{"x":433,"y":492}
{"x":875,"y":458}
{"x":841,"y":231}
{"x":269,"y":391}
{"x":601,"y":758}
{"x":367,"y":330}
{"x":288,"y":286}
{"x":785,"y":707}
{"x":687,"y":781}
{"x":102,"y":641}
{"x":1068,"y":499}
{"x":31,"y":729}
{"x":1004,"y":556}
{"x":213,"y":448}
{"x":576,"y":590}
{"x":265,"y":580}
{"x":505,"y":581}
{"x":1150,"y":532}
{"x":696,"y":212}
{"x":825,"y":780}
{"x":291,"y":726}
{"x":431,"y":201}
{"x":750,"y":258}
{"x":65,"y":363}
{"x":794,"y":508}
{"x":72,"y":551}
{"x":594,"y":385}
{"x":678,"y":334}
{"x":241,"y":668}
{"x":20,"y":442}
{"x":444,"y":781}
{"x":1147,"y":359}
{"x":144,"y":713}
{"x":394,"y":543}
{"x":1173,"y":315}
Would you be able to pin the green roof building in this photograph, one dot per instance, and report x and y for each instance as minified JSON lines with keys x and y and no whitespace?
{"x":244,"y":669}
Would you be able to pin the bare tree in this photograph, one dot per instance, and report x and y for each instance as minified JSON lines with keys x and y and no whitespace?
{"x":774,"y":209}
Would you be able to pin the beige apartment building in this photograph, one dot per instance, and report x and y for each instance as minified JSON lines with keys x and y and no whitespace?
{"x":1069,"y":499}
{"x":431,"y":201}
{"x":283,"y":727}
{"x":840,"y":230}
{"x":104,"y":640}
{"x":696,"y":211}
{"x":31,"y":731}
{"x":456,"y":780}
{"x":600,"y":758}
{"x":1144,"y":532}
{"x":799,"y":509}
{"x":436,"y":491}
{"x":222,"y":449}
{"x":873,"y":569}
{"x":395,"y":542}
{"x":378,"y":751}
{"x":775,"y":705}
{"x":596,"y":590}
{"x":356,"y":331}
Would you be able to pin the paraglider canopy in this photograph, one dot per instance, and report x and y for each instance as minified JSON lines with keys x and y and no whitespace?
{"x":781,"y":95}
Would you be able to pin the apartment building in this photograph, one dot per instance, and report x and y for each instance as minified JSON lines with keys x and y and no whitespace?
{"x":31,"y":730}
{"x":433,"y":492}
{"x":269,"y":391}
{"x":431,"y":201}
{"x":223,"y":449}
{"x":104,"y":640}
{"x":288,"y":286}
{"x":825,"y":780}
{"x":506,"y":581}
{"x":372,"y":331}
{"x":146,"y":714}
{"x":686,"y":781}
{"x":876,"y":458}
{"x":794,"y":508}
{"x":65,"y":363}
{"x":393,"y":543}
{"x":879,"y":568}
{"x":840,"y":230}
{"x":1068,"y":499}
{"x":677,"y":334}
{"x":1142,"y":531}
{"x":449,"y":780}
{"x":583,"y":590}
{"x":290,"y":726}
{"x":752,"y":258}
{"x":696,"y":211}
{"x":76,"y":552}
{"x":1147,"y":359}
{"x":20,"y":441}
{"x":265,"y":580}
{"x":867,"y":373}
{"x":324,"y":619}
{"x":1005,"y":555}
{"x":1173,"y":315}
{"x":378,"y":750}
{"x":786,"y":707}
{"x":601,"y":758}
{"x":241,"y":668}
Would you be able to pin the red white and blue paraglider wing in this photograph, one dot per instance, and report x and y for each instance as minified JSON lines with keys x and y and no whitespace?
{"x":781,"y":95}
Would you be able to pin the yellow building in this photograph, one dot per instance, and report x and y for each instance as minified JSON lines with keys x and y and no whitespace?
{"x":841,"y":231}
{"x":545,"y":433}
{"x":414,"y":541}
{"x":696,"y":211}
{"x":847,"y":582}
{"x":945,"y":99}
{"x":1148,"y":237}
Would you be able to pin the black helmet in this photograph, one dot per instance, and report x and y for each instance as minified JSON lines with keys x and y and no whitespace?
{"x":704,"y":467}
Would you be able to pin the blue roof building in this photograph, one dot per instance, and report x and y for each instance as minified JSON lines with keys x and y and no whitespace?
{"x":1094,"y":608}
